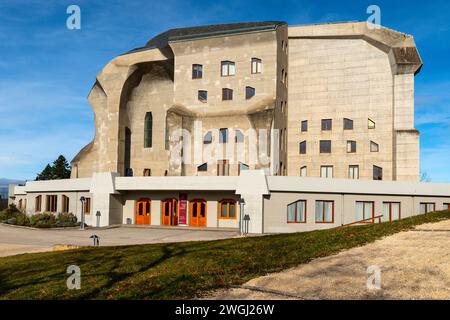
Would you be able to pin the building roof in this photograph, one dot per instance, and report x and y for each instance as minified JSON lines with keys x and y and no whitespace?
{"x":162,"y":39}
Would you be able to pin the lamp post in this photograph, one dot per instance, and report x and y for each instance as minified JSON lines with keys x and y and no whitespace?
{"x":241,"y":214}
{"x":82,"y":200}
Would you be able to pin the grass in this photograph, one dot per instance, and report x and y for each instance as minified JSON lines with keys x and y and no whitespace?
{"x":180,"y":270}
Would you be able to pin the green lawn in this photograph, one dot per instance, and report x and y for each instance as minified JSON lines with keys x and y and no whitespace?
{"x":181,"y":270}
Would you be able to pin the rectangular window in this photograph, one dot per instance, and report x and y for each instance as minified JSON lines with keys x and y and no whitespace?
{"x":87,"y":205}
{"x":197,"y":71}
{"x":223,"y":135}
{"x":326,"y":171}
{"x":348,"y":124}
{"x":256,"y":65}
{"x":303,"y":171}
{"x":227,"y":94}
{"x":223,"y":168}
{"x":351,"y":146}
{"x":364,"y":210}
{"x":203,"y":95}
{"x":249,"y":92}
{"x":327,"y":124}
{"x":303,"y":147}
{"x":38,"y":204}
{"x":325,"y":146}
{"x":52,"y":203}
{"x":65,"y":204}
{"x":148,"y":130}
{"x":391,"y":211}
{"x":374,"y":147}
{"x":296,"y":212}
{"x":353,"y":172}
{"x":227,"y":209}
{"x":227,"y":68}
{"x":377,"y":173}
{"x":324,"y":211}
{"x":426,"y":207}
{"x":304,"y":125}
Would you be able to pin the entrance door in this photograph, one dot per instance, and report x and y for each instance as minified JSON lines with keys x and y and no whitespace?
{"x":170,"y":212}
{"x":143,"y":211}
{"x":197,"y":215}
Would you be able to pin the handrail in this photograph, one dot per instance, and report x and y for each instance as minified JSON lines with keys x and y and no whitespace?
{"x":364,"y":220}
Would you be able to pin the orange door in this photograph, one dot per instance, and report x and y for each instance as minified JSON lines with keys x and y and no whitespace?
{"x":143,"y":211}
{"x":197,"y":215}
{"x":170,"y":212}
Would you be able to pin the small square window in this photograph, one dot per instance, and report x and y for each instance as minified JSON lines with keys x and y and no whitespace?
{"x":370,"y":124}
{"x":374,"y":147}
{"x":203,"y":95}
{"x":227,"y":68}
{"x":227,"y":94}
{"x":348,"y":124}
{"x":304,"y":125}
{"x":377,"y":173}
{"x":249,"y":92}
{"x":351,"y":146}
{"x":326,"y":124}
{"x":325,"y":146}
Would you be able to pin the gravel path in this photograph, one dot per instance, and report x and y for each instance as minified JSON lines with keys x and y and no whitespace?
{"x":413,"y":265}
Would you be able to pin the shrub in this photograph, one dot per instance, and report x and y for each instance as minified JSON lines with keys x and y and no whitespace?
{"x":9,"y":213}
{"x":66,"y":220}
{"x":43,"y":220}
{"x":22,"y":219}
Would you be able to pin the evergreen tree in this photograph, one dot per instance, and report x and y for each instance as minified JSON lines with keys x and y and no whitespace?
{"x":59,"y":170}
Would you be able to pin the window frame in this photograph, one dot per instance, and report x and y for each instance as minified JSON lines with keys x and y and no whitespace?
{"x":51,"y":203}
{"x":228,"y":202}
{"x":352,"y":146}
{"x":302,"y":143}
{"x":223,"y":164}
{"x":210,"y":135}
{"x":374,"y":144}
{"x":370,"y":124}
{"x":247,"y":95}
{"x":327,"y":167}
{"x":364,"y":209}
{"x":38,"y":203}
{"x":323,"y":211}
{"x":320,"y":146}
{"x":380,"y":169}
{"x":222,"y":138}
{"x":390,"y":203}
{"x":148,"y":130}
{"x":304,"y":128}
{"x":227,"y":94}
{"x":199,"y":169}
{"x":324,"y":124}
{"x":350,"y":167}
{"x":346,"y":122}
{"x":258,"y":66}
{"x":200,"y":98}
{"x":426,"y":207}
{"x":197,"y":71}
{"x":306,"y":171}
{"x":305,"y":203}
{"x":65,"y":204}
{"x":241,"y":164}
{"x":87,"y":205}
{"x":227,"y":63}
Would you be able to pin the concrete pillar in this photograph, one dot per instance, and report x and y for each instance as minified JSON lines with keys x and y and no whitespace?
{"x":104,"y":198}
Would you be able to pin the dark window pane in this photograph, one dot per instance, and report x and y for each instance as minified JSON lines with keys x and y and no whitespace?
{"x":208,"y":138}
{"x":249,"y":92}
{"x":203,"y":167}
{"x":325,"y":146}
{"x":223,"y":136}
{"x":303,"y":147}
{"x":197,"y":71}
{"x":348,"y":124}
{"x":326,"y":124}
{"x":304,"y":125}
{"x":148,"y":130}
{"x":227,"y":94}
{"x":202,"y":95}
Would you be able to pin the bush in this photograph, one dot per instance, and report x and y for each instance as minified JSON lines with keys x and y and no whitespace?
{"x":43,"y":220}
{"x":66,"y":220}
{"x":22,"y":219}
{"x":9,"y":213}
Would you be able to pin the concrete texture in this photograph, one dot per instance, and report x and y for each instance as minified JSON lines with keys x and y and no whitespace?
{"x":16,"y":240}
{"x":414,"y":265}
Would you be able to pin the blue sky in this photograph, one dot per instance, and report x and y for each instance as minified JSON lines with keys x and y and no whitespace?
{"x":46,"y":70}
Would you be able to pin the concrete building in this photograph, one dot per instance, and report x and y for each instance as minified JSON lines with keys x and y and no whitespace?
{"x":204,"y":126}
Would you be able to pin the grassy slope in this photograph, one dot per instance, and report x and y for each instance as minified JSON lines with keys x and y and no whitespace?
{"x":181,"y":270}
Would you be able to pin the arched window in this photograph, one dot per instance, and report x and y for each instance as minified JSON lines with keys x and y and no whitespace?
{"x":227,"y":209}
{"x":148,"y":130}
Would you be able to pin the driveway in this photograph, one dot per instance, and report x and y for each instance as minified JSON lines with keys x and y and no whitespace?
{"x":413,"y":265}
{"x":14,"y":240}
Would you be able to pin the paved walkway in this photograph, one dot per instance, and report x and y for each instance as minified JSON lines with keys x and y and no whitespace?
{"x":413,"y":264}
{"x":14,"y":240}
